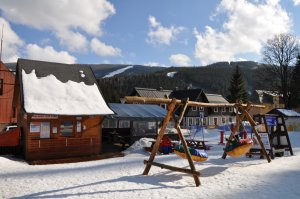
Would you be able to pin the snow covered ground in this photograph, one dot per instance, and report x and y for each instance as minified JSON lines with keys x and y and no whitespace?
{"x":232,"y":178}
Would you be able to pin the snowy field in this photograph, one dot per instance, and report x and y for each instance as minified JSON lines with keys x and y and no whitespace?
{"x":233,"y":178}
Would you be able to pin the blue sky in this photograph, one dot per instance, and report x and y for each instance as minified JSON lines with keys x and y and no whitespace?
{"x":164,"y":33}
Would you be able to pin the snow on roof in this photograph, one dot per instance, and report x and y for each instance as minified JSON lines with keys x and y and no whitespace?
{"x":48,"y":95}
{"x":216,"y":98}
{"x":111,"y":74}
{"x":288,"y":113}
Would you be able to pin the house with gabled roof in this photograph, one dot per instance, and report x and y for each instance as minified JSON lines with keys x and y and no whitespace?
{"x":151,"y":93}
{"x":270,"y":99}
{"x":60,"y":109}
{"x":193,"y":115}
{"x":219,"y":115}
{"x":7,"y":112}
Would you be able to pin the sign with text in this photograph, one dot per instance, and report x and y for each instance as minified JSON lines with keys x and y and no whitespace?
{"x":271,"y":120}
{"x":265,"y":140}
{"x":35,"y":127}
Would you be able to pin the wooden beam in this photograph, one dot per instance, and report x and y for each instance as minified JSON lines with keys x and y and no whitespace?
{"x":160,"y":135}
{"x":172,"y":168}
{"x":146,"y":100}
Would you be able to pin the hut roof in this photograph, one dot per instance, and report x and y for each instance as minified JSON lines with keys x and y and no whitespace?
{"x":138,"y":111}
{"x":59,"y":89}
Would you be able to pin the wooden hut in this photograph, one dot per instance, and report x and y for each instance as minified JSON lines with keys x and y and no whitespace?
{"x":7,"y":80}
{"x":60,"y":109}
{"x":132,"y":122}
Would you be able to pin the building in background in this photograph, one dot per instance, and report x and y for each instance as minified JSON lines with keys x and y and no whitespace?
{"x":60,"y":110}
{"x":7,"y":112}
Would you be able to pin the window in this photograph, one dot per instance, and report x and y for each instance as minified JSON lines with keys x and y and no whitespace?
{"x":216,"y":109}
{"x":1,"y":86}
{"x":201,"y":108}
{"x":194,"y":108}
{"x":223,"y":109}
{"x":197,"y":121}
{"x":124,"y":124}
{"x":230,"y":109}
{"x":164,"y":106}
{"x":109,"y":123}
{"x":190,"y":121}
{"x":223,"y":119}
{"x":66,"y":128}
{"x":230,"y":119}
{"x":78,"y":126}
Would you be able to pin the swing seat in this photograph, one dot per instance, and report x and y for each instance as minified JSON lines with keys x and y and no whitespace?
{"x":241,"y":149}
{"x":197,"y":155}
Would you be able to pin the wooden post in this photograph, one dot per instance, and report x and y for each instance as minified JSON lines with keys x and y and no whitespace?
{"x":184,"y":144}
{"x":160,"y":135}
{"x":252,"y":122}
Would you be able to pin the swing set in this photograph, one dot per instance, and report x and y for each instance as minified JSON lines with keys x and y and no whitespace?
{"x":173,"y":105}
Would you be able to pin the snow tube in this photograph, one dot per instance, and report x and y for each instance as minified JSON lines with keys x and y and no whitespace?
{"x":197,"y":155}
{"x":236,"y":149}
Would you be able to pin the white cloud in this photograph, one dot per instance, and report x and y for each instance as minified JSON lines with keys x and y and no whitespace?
{"x":48,"y":53}
{"x":161,"y":35}
{"x":68,"y":19}
{"x":296,"y":2}
{"x":102,"y":49}
{"x":73,"y":40}
{"x":11,"y":42}
{"x":180,"y":60}
{"x":248,"y":26}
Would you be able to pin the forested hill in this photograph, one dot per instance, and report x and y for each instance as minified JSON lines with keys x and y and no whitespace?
{"x":214,"y":78}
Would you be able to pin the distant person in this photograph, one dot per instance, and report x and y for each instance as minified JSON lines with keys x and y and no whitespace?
{"x":166,"y":145}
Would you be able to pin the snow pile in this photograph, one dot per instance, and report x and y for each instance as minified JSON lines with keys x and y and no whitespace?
{"x":234,"y":178}
{"x":171,"y":74}
{"x":48,"y":95}
{"x":119,"y":71}
{"x":138,"y":146}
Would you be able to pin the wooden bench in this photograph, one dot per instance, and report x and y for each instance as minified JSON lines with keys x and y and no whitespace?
{"x":197,"y":144}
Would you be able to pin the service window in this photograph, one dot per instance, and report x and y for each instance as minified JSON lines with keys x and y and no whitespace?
{"x":124,"y":124}
{"x":109,"y":123}
{"x":66,"y":128}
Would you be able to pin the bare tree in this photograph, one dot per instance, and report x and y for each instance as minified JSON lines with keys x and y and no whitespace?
{"x":280,"y":54}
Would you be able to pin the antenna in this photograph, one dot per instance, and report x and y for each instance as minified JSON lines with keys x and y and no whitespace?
{"x":1,"y":42}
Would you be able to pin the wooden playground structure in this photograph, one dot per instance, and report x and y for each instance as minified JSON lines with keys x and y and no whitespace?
{"x":242,"y":112}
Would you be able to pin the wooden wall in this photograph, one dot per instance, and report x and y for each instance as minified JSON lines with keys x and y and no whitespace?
{"x":84,"y":143}
{"x":6,"y":110}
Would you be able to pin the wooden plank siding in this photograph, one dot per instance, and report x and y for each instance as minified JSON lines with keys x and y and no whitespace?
{"x":84,"y":143}
{"x":6,"y":96}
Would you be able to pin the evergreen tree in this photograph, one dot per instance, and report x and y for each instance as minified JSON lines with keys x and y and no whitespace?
{"x":295,"y":90}
{"x":237,"y":87}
